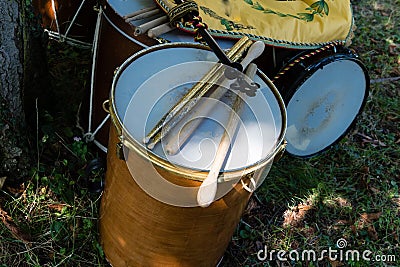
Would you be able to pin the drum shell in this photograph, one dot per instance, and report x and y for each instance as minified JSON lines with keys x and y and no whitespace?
{"x":84,"y":26}
{"x":138,"y":230}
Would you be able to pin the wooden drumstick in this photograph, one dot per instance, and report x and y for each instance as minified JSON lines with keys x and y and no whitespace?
{"x":140,"y":11}
{"x":161,"y":29}
{"x":143,"y":15}
{"x":151,"y":24}
{"x":186,"y":126}
{"x":255,"y":51}
{"x":208,"y":188}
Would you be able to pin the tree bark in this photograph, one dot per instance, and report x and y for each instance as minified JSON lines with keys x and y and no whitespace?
{"x":16,"y":74}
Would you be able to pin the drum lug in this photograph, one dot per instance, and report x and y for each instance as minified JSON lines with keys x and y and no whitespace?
{"x":116,"y":70}
{"x":161,"y":40}
{"x":280,"y":152}
{"x":106,"y":106}
{"x":120,"y":151}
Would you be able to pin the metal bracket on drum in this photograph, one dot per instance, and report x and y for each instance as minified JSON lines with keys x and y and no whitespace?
{"x":115,"y":71}
{"x":247,"y":187}
{"x":120,"y":151}
{"x":281,"y":151}
{"x":106,"y":106}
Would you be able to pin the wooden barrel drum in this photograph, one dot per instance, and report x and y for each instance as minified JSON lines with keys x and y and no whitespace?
{"x":149,"y":212}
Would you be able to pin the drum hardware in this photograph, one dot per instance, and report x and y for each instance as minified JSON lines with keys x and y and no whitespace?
{"x":247,"y":187}
{"x":60,"y":16}
{"x":208,"y":187}
{"x":120,"y":150}
{"x":281,"y":151}
{"x":73,"y":19}
{"x":89,"y":136}
{"x":198,"y":90}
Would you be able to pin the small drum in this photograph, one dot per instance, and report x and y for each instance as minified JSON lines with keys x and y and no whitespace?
{"x":324,"y":91}
{"x":70,"y":21}
{"x":149,"y":215}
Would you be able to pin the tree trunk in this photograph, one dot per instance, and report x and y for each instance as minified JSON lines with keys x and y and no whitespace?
{"x":16,"y":74}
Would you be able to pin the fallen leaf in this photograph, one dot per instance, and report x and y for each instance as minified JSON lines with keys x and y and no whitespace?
{"x":57,"y":207}
{"x":16,"y":190}
{"x":370,"y":140}
{"x":14,"y":229}
{"x":369,"y":217}
{"x":295,"y":216}
{"x":336,"y":263}
{"x":373,"y":189}
{"x":343,"y":222}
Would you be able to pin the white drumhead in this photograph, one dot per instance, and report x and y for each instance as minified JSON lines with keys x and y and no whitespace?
{"x":126,"y":7}
{"x":324,"y":106}
{"x":151,"y":83}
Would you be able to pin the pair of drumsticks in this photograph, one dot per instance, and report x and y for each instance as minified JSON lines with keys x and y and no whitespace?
{"x":154,"y":27}
{"x":181,"y":114}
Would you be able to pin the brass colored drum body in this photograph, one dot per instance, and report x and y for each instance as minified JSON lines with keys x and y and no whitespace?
{"x":137,"y":229}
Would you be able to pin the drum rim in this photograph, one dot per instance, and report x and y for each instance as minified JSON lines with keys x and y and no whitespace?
{"x":309,"y":70}
{"x":191,"y":173}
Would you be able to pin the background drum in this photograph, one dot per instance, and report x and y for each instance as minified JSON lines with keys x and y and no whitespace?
{"x":149,"y":214}
{"x":324,"y":91}
{"x":68,"y":20}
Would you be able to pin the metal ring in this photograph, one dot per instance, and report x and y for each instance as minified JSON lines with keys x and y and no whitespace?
{"x":106,"y":106}
{"x":247,"y":188}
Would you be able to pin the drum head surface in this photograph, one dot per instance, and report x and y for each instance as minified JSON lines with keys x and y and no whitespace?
{"x":152,"y":82}
{"x":324,"y":107}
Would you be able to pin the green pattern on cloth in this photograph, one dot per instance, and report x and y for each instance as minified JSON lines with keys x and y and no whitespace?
{"x":304,"y":24}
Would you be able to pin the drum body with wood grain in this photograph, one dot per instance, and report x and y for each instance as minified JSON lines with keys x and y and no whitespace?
{"x":149,"y":213}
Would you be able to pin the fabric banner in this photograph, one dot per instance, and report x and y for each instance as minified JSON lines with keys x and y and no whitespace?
{"x":291,"y":23}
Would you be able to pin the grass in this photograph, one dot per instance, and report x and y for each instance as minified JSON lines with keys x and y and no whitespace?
{"x":350,"y":192}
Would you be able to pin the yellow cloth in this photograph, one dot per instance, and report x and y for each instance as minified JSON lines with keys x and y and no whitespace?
{"x":296,"y":23}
